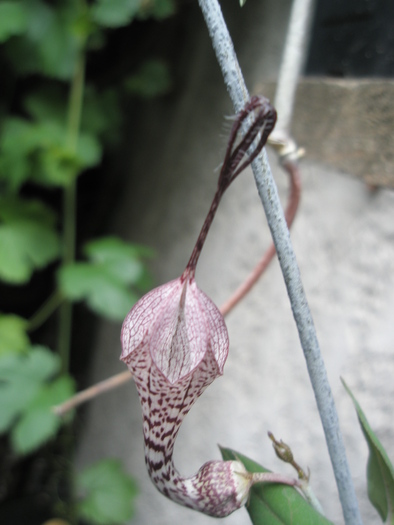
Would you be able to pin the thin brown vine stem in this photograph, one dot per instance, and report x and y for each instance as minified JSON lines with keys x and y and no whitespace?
{"x":123,"y":377}
{"x":291,"y":210}
{"x":92,"y":392}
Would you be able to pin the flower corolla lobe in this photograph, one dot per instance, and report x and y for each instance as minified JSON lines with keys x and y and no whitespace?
{"x":177,"y":324}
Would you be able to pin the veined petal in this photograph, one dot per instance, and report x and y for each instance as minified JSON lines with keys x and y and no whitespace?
{"x":180,"y":335}
{"x":138,"y":323}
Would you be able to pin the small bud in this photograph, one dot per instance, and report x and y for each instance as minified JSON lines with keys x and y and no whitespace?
{"x":282,"y":450}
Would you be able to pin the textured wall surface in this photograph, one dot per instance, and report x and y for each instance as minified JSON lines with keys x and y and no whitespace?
{"x":344,"y":241}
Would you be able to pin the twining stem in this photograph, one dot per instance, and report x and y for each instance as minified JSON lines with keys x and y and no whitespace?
{"x":257,"y":120}
{"x":268,"y":193}
{"x":69,"y":205}
{"x":91,"y":392}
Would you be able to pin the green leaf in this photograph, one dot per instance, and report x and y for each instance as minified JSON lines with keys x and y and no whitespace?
{"x":120,"y":259}
{"x":109,"y":493}
{"x":151,"y":80}
{"x":158,"y":9}
{"x":47,"y":104}
{"x":105,"y":281}
{"x":34,"y":428}
{"x":104,"y":293}
{"x":28,"y":240}
{"x":275,"y":504}
{"x":21,"y":377}
{"x":51,"y":42}
{"x":13,"y":337}
{"x":13,"y":19}
{"x":38,"y":423}
{"x":95,"y":121}
{"x":380,"y":471}
{"x":27,"y":394}
{"x":115,"y":13}
{"x":242,"y":2}
{"x":17,"y":141}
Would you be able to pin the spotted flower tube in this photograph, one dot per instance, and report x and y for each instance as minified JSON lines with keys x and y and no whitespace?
{"x":175,"y":343}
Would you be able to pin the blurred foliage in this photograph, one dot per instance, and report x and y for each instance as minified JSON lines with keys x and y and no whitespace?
{"x":103,"y":282}
{"x":56,"y":123}
{"x":107,"y":493}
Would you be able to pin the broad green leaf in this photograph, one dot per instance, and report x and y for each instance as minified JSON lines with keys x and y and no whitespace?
{"x":13,"y":209}
{"x":35,"y":427}
{"x":380,"y":471}
{"x":21,"y":377}
{"x":151,"y":80}
{"x":274,"y":504}
{"x":115,"y":13}
{"x":38,"y":365}
{"x":105,"y":281}
{"x":108,"y":493}
{"x":120,"y":259}
{"x":38,"y":423}
{"x":104,"y":293}
{"x":28,"y":240}
{"x":17,"y":141}
{"x":27,"y":394}
{"x":13,"y":337}
{"x":16,"y":390}
{"x":51,"y":42}
{"x":39,"y":151}
{"x":55,"y":164}
{"x":13,"y":19}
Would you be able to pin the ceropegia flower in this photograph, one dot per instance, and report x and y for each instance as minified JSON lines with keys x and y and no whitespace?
{"x":175,"y":344}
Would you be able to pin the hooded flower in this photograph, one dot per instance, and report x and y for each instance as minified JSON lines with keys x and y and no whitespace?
{"x":177,"y":325}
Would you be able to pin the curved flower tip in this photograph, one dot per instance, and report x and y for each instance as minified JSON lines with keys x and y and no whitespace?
{"x":220,"y":487}
{"x":177,"y":324}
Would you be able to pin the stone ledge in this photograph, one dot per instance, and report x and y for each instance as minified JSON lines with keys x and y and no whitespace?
{"x":346,"y":124}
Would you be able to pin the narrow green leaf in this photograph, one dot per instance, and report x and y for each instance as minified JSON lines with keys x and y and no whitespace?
{"x":108,"y":493}
{"x":380,"y":471}
{"x":13,"y":19}
{"x":275,"y":504}
{"x":13,"y":337}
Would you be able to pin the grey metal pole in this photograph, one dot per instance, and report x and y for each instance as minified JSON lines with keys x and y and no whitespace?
{"x":236,"y":87}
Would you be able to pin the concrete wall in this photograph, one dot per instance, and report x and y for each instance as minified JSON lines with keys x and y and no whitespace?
{"x":344,"y":241}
